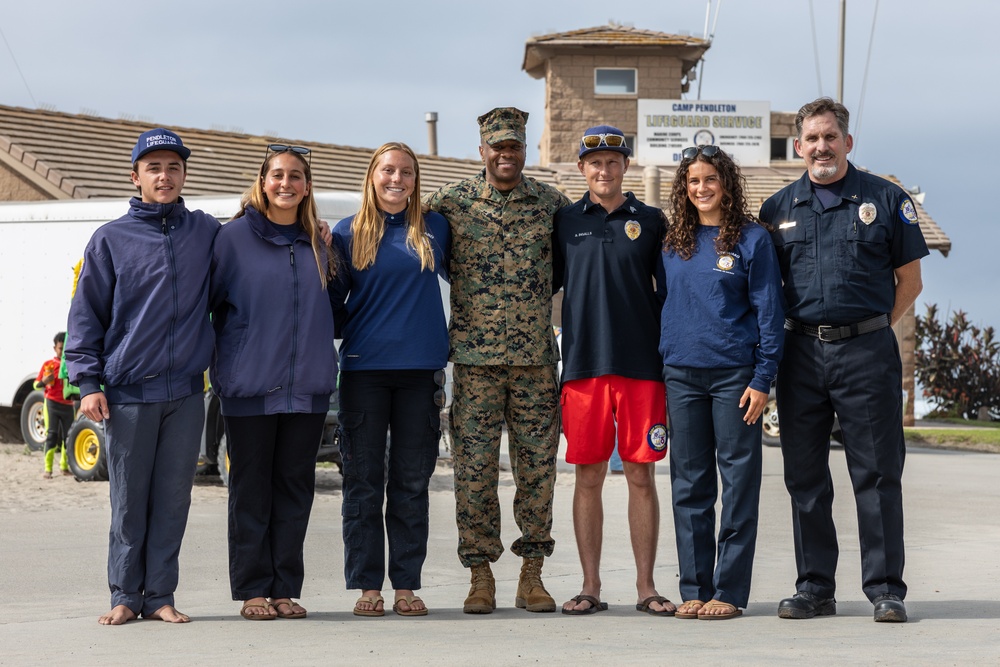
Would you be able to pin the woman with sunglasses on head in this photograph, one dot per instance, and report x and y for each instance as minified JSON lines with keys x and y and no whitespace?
{"x":387,"y":303}
{"x":721,"y":338}
{"x":274,"y":369}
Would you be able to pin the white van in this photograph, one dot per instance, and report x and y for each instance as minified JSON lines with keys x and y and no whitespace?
{"x":40,"y":243}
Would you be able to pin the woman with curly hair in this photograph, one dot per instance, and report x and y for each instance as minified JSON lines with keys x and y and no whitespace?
{"x":721,"y":337}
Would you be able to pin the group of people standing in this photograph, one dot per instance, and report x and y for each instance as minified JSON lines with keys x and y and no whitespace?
{"x":691,"y":313}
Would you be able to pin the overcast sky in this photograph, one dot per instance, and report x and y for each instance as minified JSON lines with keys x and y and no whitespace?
{"x":362,"y":73}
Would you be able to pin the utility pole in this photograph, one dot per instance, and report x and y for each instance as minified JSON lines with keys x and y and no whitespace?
{"x":840,"y":70}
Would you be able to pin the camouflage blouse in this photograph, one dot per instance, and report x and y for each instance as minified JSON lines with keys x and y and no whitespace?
{"x":501,"y":270}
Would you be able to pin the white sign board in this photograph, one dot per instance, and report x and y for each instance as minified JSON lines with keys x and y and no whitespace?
{"x":667,"y":127}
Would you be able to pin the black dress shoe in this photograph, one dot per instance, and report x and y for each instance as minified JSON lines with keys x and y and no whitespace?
{"x":889,"y":609}
{"x":806,"y":605}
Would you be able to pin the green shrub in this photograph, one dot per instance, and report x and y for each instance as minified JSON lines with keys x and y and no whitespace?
{"x":958,"y":365}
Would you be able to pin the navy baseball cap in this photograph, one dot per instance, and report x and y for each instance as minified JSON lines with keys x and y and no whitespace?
{"x":604,"y":138}
{"x":159,"y":140}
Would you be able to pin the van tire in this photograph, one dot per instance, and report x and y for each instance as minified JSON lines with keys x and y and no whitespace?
{"x":223,"y":459}
{"x":33,"y":420}
{"x":769,"y":423}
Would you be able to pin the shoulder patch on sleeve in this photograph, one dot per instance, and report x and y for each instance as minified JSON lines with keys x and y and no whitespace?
{"x":907,"y":212}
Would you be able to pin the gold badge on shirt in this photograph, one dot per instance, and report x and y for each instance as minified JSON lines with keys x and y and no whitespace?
{"x":726,"y":261}
{"x":632,"y":229}
{"x":867,"y":213}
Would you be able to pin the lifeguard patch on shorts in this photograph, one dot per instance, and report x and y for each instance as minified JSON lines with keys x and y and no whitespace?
{"x":656,"y":437}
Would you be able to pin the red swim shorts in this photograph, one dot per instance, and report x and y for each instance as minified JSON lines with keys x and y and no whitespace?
{"x":592,"y":407}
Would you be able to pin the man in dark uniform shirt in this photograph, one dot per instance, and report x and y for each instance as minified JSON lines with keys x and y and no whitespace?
{"x":606,"y":255}
{"x":849,"y":247}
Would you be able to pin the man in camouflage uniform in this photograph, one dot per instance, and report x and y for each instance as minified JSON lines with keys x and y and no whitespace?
{"x":503,"y":349}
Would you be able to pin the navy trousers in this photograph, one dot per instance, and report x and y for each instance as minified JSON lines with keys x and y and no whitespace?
{"x":152,"y":456}
{"x":707,"y":429}
{"x":396,"y":475}
{"x":272,"y":481}
{"x":860,"y":379}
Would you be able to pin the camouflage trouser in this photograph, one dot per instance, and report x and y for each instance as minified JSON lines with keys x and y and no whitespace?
{"x":527,"y":399}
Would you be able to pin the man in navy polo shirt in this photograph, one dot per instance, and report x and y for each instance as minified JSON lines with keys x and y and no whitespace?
{"x":849,"y":247}
{"x":138,"y":343}
{"x":606,"y":256}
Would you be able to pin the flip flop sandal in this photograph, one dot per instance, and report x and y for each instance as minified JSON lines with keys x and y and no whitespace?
{"x":595,"y":606}
{"x":373,"y":601}
{"x":257,"y":617}
{"x":409,"y":600}
{"x":644,"y":606}
{"x":287,"y":602}
{"x":697,"y":604}
{"x":731,"y":611}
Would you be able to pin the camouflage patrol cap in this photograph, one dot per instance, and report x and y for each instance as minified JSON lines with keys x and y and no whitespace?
{"x":502,"y":124}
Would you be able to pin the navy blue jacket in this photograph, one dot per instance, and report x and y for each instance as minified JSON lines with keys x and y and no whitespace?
{"x":273,"y":322}
{"x":138,"y":323}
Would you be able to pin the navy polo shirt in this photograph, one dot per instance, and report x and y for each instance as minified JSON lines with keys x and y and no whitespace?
{"x":838,"y":262}
{"x":606,"y":264}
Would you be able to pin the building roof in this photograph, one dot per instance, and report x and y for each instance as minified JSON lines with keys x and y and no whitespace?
{"x":70,"y":156}
{"x":624,"y":39}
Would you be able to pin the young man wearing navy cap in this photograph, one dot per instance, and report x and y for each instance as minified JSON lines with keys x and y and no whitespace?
{"x":138,"y":343}
{"x":606,"y":257}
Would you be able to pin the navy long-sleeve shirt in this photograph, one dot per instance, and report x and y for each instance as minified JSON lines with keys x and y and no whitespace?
{"x":725,"y":310}
{"x":390,"y":314}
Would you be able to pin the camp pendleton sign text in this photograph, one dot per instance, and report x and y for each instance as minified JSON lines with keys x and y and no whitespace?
{"x":667,"y":127}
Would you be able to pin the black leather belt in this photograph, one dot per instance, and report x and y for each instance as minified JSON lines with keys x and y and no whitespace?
{"x":829,"y":333}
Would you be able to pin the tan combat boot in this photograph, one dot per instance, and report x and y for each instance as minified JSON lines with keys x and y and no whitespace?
{"x":483,"y":593}
{"x":531,"y":594}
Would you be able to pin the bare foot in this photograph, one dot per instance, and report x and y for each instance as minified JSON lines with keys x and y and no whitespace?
{"x":120,"y":615}
{"x":47,"y":475}
{"x":65,"y":473}
{"x":169,"y":614}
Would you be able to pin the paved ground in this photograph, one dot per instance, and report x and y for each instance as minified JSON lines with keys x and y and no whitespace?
{"x":53,"y":580}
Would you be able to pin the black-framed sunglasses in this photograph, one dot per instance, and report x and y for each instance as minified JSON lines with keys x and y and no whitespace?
{"x":609,"y":140}
{"x":285,"y":148}
{"x":691,"y":152}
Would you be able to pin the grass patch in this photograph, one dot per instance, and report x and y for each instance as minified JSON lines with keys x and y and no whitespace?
{"x":970,"y":423}
{"x":970,"y":439}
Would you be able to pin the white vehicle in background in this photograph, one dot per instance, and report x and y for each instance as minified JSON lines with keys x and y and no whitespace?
{"x":40,"y":243}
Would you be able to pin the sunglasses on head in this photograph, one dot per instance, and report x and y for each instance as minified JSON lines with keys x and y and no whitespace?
{"x":691,"y":152}
{"x":284,"y":148}
{"x":609,"y":140}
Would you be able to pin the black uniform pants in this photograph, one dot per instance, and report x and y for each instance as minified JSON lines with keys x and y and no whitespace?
{"x":272,"y":480}
{"x":860,"y":379}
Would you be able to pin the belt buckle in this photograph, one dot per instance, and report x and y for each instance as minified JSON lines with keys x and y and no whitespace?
{"x":823,"y":330}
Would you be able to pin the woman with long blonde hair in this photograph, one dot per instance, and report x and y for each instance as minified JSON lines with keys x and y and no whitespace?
{"x":389,"y":312}
{"x":274,"y":370}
